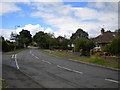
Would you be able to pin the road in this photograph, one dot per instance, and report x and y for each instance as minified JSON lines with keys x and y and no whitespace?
{"x":45,"y":71}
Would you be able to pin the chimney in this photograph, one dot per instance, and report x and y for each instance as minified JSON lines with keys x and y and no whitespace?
{"x":102,"y":31}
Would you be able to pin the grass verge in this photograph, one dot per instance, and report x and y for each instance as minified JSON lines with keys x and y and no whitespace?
{"x":99,"y":61}
{"x":3,"y":84}
{"x":16,"y":51}
{"x":54,"y":53}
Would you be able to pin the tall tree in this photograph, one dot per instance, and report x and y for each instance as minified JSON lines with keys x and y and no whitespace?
{"x":25,"y":37}
{"x":79,"y":33}
{"x":42,"y":39}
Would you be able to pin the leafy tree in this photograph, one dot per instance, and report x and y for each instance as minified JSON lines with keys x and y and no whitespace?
{"x":62,"y":43}
{"x":79,"y":33}
{"x":113,"y":46}
{"x":42,"y":39}
{"x":25,"y":37}
{"x":84,"y":44}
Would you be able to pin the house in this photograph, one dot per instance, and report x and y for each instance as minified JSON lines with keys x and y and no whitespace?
{"x":104,"y":38}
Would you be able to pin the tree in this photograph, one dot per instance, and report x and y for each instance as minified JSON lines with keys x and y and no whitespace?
{"x":62,"y":43}
{"x":25,"y":38}
{"x":85,"y":44}
{"x":113,"y":46}
{"x":79,"y":33}
{"x":42,"y":39}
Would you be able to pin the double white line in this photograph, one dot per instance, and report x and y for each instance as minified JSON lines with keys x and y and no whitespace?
{"x":15,"y":58}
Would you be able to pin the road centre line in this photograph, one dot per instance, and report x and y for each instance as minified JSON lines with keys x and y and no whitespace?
{"x":13,"y":56}
{"x":16,"y":61}
{"x":36,"y":57}
{"x":69,"y":69}
{"x":46,"y":61}
{"x":112,"y":80}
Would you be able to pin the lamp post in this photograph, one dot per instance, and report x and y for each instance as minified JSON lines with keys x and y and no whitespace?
{"x":16,"y":41}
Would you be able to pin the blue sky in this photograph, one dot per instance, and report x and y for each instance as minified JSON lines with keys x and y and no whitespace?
{"x":60,"y":18}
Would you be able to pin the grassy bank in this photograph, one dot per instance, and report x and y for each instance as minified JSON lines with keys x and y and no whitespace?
{"x":16,"y":51}
{"x":99,"y":61}
{"x":54,"y":53}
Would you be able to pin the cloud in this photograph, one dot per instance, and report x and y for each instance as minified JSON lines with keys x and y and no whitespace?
{"x":6,"y":33}
{"x":8,"y":8}
{"x":68,"y":19}
{"x":34,"y":29}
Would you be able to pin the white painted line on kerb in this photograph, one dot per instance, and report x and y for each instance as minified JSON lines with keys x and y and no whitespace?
{"x":46,"y":61}
{"x":16,"y":61}
{"x":70,"y":69}
{"x":112,"y":80}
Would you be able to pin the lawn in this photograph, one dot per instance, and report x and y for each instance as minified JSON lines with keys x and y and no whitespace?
{"x":54,"y":53}
{"x":99,"y":61}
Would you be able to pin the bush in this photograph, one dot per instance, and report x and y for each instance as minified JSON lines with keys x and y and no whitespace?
{"x":113,"y":47}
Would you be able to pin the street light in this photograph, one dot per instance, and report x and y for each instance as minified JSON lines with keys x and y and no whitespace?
{"x":16,"y":41}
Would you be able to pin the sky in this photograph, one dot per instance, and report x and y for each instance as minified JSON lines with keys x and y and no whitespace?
{"x":61,"y":18}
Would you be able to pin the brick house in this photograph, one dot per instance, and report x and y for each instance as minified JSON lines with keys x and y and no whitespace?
{"x":104,"y":38}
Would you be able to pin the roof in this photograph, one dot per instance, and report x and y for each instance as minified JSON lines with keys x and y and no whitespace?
{"x":106,"y":37}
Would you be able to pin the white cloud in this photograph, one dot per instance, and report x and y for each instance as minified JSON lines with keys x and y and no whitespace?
{"x":14,"y":1}
{"x":68,"y":19}
{"x":59,"y":0}
{"x":8,"y":8}
{"x":6,"y":33}
{"x":34,"y":29}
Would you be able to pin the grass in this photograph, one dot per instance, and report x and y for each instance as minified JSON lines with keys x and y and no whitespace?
{"x":3,"y":83}
{"x":99,"y":61}
{"x":16,"y":51}
{"x":56,"y":54}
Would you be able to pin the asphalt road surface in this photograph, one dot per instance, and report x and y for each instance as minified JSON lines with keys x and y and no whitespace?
{"x":33,"y":69}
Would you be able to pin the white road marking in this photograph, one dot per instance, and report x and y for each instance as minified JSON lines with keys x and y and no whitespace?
{"x":46,"y":61}
{"x":69,"y":69}
{"x":13,"y":56}
{"x":36,"y":57}
{"x":16,"y":61}
{"x":78,"y":72}
{"x":112,"y":80}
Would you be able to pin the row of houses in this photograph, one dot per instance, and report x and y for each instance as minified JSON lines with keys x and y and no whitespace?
{"x":101,"y":40}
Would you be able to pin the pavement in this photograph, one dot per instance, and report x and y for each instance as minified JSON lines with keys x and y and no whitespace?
{"x":32,"y":68}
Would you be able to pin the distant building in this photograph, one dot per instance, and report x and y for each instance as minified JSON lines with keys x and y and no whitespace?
{"x":104,"y":38}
